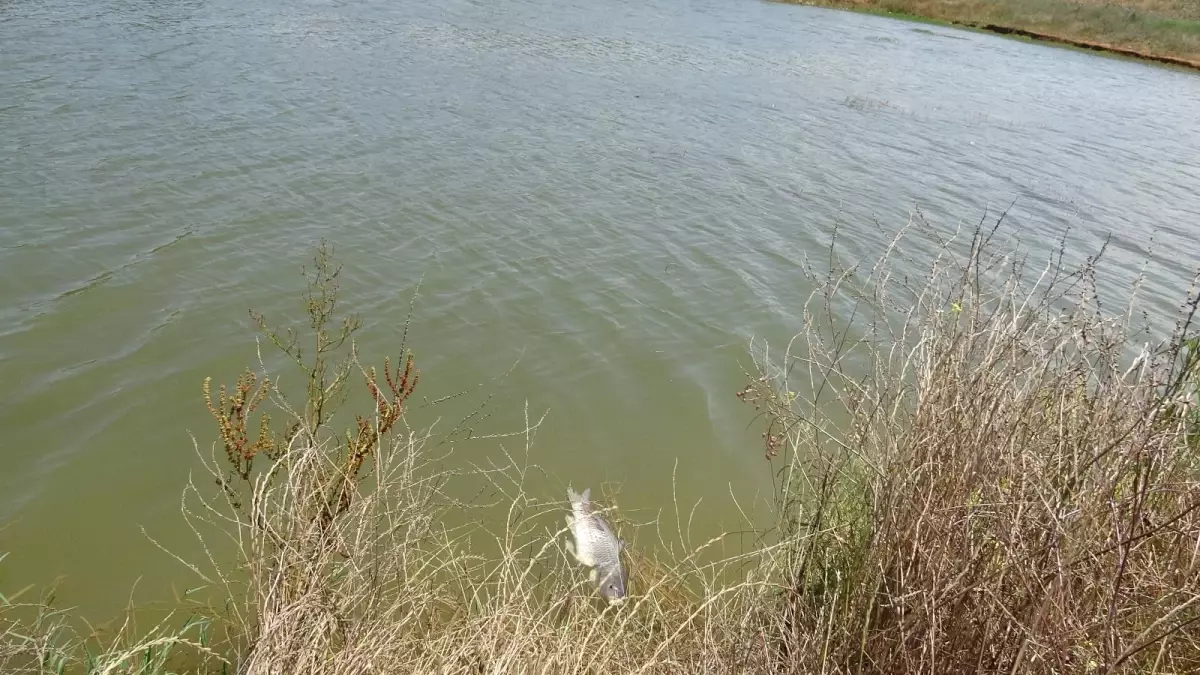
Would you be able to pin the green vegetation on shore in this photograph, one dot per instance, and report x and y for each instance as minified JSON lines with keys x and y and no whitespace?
{"x":1158,"y":29}
{"x":978,"y":471}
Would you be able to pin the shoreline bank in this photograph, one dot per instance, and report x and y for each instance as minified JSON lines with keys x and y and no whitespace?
{"x":1082,"y":44}
{"x":1011,"y":29}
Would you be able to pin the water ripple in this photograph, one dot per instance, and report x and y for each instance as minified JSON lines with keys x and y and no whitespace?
{"x":618,"y":197}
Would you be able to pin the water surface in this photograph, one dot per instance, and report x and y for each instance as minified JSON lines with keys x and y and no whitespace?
{"x":614,"y":197}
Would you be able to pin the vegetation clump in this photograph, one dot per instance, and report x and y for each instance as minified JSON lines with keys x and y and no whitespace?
{"x":977,"y":471}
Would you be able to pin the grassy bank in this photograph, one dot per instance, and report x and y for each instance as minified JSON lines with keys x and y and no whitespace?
{"x":1012,"y":484}
{"x":1158,"y":29}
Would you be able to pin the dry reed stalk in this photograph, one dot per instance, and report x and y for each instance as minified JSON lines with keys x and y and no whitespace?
{"x":1005,"y":485}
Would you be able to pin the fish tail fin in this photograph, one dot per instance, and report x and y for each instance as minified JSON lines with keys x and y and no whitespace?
{"x":581,"y":499}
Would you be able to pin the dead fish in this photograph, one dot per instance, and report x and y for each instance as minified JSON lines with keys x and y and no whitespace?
{"x":596,"y":546}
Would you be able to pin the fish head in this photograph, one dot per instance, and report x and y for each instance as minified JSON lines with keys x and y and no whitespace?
{"x":612,"y":584}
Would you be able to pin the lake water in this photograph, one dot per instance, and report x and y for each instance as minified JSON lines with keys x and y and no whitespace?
{"x":613,"y":196}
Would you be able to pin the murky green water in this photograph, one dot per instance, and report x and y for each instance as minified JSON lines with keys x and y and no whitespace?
{"x":614,"y":196}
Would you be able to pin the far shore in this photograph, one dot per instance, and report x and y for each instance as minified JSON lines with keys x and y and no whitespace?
{"x":1165,"y":31}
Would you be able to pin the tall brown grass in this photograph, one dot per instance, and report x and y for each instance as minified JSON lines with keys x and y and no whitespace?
{"x":978,"y":471}
{"x":986,"y":473}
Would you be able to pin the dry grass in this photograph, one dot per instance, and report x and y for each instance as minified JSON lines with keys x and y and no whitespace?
{"x":975,"y":473}
{"x":988,"y":476}
{"x":37,"y":639}
{"x":1155,"y":28}
{"x":1171,"y":9}
{"x":346,"y":562}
